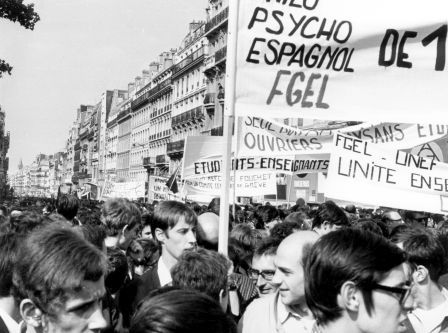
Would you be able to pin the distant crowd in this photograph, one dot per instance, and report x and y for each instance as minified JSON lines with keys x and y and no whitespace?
{"x":70,"y":265}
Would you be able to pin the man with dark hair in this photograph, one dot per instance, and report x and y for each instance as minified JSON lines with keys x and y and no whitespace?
{"x":174,"y":227}
{"x":67,"y":206}
{"x":204,"y":271}
{"x":122,"y":219}
{"x":181,"y":311}
{"x":415,"y":218}
{"x":329,"y":217}
{"x":284,"y":311}
{"x":427,"y":257}
{"x":356,"y":281}
{"x":59,"y":282}
{"x":9,"y":311}
{"x":262,"y":269}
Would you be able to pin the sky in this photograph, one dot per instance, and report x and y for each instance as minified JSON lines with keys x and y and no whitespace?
{"x":77,"y":50}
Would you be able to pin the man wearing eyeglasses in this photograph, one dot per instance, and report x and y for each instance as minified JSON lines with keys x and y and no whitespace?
{"x":416,"y":219}
{"x":284,"y":311}
{"x":262,"y":269}
{"x":426,"y":256}
{"x":356,"y":281}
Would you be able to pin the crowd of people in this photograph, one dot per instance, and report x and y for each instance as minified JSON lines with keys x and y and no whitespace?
{"x":119,"y":266}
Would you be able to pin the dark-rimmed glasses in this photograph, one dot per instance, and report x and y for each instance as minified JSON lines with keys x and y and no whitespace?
{"x":254,"y":274}
{"x":402,"y":292}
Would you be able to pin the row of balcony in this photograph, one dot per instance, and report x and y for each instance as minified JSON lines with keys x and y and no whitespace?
{"x":175,"y":148}
{"x":160,"y":135}
{"x":150,"y":94}
{"x":123,"y":114}
{"x":211,"y":27}
{"x":161,"y":111}
{"x":190,"y":116}
{"x":190,"y":61}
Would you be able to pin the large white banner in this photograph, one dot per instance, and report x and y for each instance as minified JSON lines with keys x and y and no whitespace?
{"x":343,"y":60}
{"x":265,"y":137}
{"x":361,"y":172}
{"x":248,"y":184}
{"x":202,"y":158}
{"x":129,"y":190}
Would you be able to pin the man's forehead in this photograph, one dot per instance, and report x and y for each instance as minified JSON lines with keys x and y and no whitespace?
{"x":396,"y":276}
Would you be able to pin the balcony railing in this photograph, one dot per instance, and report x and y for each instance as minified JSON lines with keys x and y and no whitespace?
{"x":188,"y":62}
{"x":217,"y":131}
{"x":161,"y":159}
{"x":216,"y":21}
{"x":146,"y":97}
{"x":192,"y":116}
{"x":175,"y":147}
{"x":220,"y":54}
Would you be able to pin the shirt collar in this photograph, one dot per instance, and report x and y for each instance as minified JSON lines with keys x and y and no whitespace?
{"x":11,"y":324}
{"x":284,"y":311}
{"x":164,"y":273}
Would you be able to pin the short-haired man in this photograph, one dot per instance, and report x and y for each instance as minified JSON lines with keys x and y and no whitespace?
{"x":284,"y":311}
{"x":122,"y":219}
{"x":426,"y":255}
{"x":204,"y":271}
{"x":68,"y":206}
{"x":262,"y":269}
{"x":208,"y":231}
{"x":59,"y":282}
{"x":415,"y":218}
{"x":174,"y":227}
{"x":329,"y":217}
{"x":356,"y":281}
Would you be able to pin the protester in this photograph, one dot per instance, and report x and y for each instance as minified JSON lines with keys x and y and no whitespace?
{"x":427,"y":258}
{"x":285,"y":310}
{"x":9,"y":309}
{"x":262,"y":269}
{"x":174,"y":227}
{"x":204,"y":271}
{"x":122,"y":219}
{"x":329,"y":217}
{"x":59,"y":282}
{"x":208,"y":231}
{"x":356,"y":281}
{"x":181,"y":311}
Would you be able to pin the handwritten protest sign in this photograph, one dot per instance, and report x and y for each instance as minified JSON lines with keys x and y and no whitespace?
{"x":201,"y":159}
{"x":129,"y":190}
{"x":362,"y":172}
{"x":248,"y":184}
{"x":263,"y":137}
{"x":344,"y":60}
{"x":157,"y":188}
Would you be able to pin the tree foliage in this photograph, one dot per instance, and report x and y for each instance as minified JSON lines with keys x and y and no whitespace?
{"x":17,"y":11}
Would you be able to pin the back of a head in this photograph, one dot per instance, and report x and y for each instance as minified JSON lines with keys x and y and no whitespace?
{"x":181,"y":311}
{"x":331,"y":213}
{"x":27,"y":222}
{"x":118,"y":213}
{"x":117,"y":269}
{"x":425,"y":249}
{"x":208,"y":231}
{"x":369,"y":225}
{"x":346,"y":255}
{"x":168,"y":213}
{"x":282,"y":230}
{"x":60,"y":260}
{"x":9,"y":247}
{"x":202,"y":270}
{"x":68,"y":206}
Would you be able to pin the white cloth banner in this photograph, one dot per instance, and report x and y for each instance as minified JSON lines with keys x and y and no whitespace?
{"x":201,"y":159}
{"x":263,"y":137}
{"x":343,"y":60}
{"x":248,"y":184}
{"x":361,"y":172}
{"x":129,"y":190}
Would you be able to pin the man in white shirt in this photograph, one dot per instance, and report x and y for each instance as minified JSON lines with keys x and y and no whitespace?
{"x":426,"y":256}
{"x":9,"y":311}
{"x":284,"y":311}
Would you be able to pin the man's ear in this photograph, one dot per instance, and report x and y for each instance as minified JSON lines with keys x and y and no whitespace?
{"x":160,"y":235}
{"x":326,"y":225}
{"x":31,"y":314}
{"x":223,"y":299}
{"x":349,"y":297}
{"x":420,"y":274}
